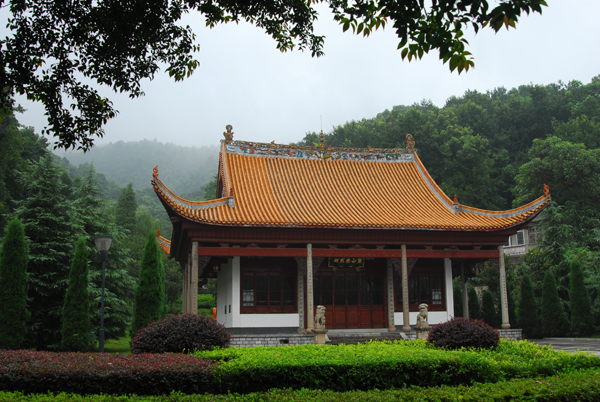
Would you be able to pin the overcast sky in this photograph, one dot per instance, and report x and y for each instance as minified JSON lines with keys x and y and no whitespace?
{"x":243,"y":80}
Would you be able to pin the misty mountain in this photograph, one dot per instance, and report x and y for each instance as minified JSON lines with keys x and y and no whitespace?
{"x":182,"y":169}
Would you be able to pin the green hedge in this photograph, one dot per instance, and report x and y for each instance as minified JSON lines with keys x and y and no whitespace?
{"x":383,"y":365}
{"x":575,"y":386}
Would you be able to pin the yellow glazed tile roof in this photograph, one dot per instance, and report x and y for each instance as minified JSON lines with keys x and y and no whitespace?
{"x":273,"y":185}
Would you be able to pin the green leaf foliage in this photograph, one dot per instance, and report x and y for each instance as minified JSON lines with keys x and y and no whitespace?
{"x":554,"y":319}
{"x":528,"y":310}
{"x":149,"y":295}
{"x":581,"y":309}
{"x":76,"y":311}
{"x":13,"y":286}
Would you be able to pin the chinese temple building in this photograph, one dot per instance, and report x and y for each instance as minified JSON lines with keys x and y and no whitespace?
{"x":366,"y":233}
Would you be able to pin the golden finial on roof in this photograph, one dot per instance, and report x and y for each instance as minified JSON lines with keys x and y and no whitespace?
{"x":410,"y":143}
{"x":322,"y":142}
{"x":155,"y":173}
{"x":546,"y":190}
{"x":229,"y":134}
{"x":455,"y":199}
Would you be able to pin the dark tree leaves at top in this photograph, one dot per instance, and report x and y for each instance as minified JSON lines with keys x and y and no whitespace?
{"x":119,"y":44}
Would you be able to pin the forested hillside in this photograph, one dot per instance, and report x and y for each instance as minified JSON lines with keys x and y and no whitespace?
{"x":475,"y":144}
{"x":182,"y":169}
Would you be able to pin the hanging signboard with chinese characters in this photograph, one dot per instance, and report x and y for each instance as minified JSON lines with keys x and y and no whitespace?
{"x":346,"y":262}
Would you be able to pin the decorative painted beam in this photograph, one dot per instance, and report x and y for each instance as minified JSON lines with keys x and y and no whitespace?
{"x":364,"y":253}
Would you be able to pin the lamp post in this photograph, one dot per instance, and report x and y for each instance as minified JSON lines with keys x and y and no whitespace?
{"x":102,"y":244}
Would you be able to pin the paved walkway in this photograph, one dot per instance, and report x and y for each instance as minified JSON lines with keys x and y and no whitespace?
{"x":571,"y":344}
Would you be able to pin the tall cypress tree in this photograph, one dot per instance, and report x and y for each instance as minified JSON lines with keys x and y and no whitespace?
{"x":488,"y":309}
{"x":126,"y":208}
{"x":13,"y":282}
{"x":149,"y":295}
{"x":76,"y":310}
{"x":554,"y":319}
{"x":581,"y":307}
{"x":49,"y":223}
{"x":474,"y":305}
{"x":457,"y":293}
{"x":512,"y":308}
{"x":528,"y":310}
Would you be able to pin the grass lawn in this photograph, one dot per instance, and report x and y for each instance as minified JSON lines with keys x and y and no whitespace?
{"x":120,"y":346}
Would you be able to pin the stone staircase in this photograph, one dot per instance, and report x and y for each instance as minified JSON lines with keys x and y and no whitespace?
{"x":355,"y":336}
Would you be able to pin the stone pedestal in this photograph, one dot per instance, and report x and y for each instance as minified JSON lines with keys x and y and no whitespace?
{"x":320,"y":335}
{"x":423,"y":331}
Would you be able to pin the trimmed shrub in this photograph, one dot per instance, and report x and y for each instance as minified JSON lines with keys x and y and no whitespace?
{"x":581,"y":308}
{"x":181,"y":333}
{"x":528,"y":310}
{"x":13,"y":285}
{"x":76,"y":310}
{"x":463,"y":332}
{"x":554,"y":319}
{"x":92,"y":373}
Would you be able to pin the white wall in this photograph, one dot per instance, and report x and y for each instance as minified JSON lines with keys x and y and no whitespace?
{"x":268,"y":320}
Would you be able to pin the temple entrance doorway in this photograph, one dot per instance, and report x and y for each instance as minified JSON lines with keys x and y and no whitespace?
{"x":352,"y":299}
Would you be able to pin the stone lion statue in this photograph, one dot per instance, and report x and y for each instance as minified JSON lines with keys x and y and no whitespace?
{"x":423,"y":317}
{"x":320,"y":317}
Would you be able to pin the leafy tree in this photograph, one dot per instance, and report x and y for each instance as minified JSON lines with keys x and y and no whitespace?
{"x":149,"y":295}
{"x":528,"y":310}
{"x":512,"y":307}
{"x":173,"y":281}
{"x":76,"y":311}
{"x":581,"y":307}
{"x":554,"y":319}
{"x":126,"y":208}
{"x":13,"y":282}
{"x":48,"y":219}
{"x":488,"y":310}
{"x":120,"y":44}
{"x":474,"y":305}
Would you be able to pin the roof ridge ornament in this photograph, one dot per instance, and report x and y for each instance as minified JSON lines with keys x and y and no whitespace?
{"x":546,"y":190}
{"x":410,"y":143}
{"x":230,"y":201}
{"x":155,"y":173}
{"x":322,"y":146}
{"x":456,"y":205}
{"x":229,"y":134}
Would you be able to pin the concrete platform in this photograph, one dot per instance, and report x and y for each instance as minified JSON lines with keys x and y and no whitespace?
{"x":587,"y":345}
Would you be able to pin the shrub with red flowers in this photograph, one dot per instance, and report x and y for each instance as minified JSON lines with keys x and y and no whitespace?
{"x":89,"y":373}
{"x":181,"y":334}
{"x":463,"y":332}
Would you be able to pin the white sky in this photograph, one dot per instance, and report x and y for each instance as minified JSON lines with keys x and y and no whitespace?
{"x":243,"y":80}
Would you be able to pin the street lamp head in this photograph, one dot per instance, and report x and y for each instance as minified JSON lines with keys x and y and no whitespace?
{"x":103,"y":242}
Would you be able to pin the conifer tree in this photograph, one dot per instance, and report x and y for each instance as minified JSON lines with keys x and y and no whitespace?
{"x":581,"y":306}
{"x":149,"y":295}
{"x":457,"y":293}
{"x":528,"y":310}
{"x":512,"y":308}
{"x":93,"y":219}
{"x":474,"y":305}
{"x":76,"y":311}
{"x":488,"y":309}
{"x":554,"y":319}
{"x":48,"y":218}
{"x":13,"y":285}
{"x":126,"y":208}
